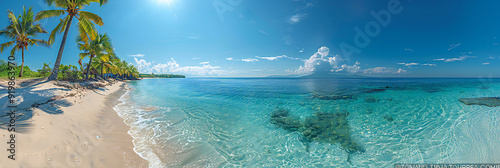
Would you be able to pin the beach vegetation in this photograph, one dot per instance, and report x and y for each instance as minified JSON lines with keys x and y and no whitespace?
{"x":27,"y":72}
{"x":22,"y":31}
{"x":152,"y":75}
{"x":72,"y":9}
{"x":98,"y":47}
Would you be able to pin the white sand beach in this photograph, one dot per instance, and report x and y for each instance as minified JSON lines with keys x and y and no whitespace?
{"x":79,"y":129}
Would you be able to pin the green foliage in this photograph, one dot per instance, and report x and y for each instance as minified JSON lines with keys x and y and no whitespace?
{"x":22,"y":31}
{"x":86,"y":20}
{"x":69,"y":73}
{"x":46,"y":70}
{"x":4,"y":72}
{"x":161,"y":76}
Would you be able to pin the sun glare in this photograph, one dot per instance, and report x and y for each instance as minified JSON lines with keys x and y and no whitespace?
{"x":165,"y":2}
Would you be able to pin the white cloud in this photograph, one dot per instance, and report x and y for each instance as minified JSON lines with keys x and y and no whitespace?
{"x":263,"y":32}
{"x":454,"y":59}
{"x":276,"y":57}
{"x":429,"y":64}
{"x":415,"y":64}
{"x":493,"y":57}
{"x":295,"y":18}
{"x":408,"y":49}
{"x":411,"y":64}
{"x":229,"y":59}
{"x":309,"y":64}
{"x":194,"y":37}
{"x":142,"y":65}
{"x":384,"y":70}
{"x":352,"y":69}
{"x":250,"y":60}
{"x":173,"y":67}
{"x":202,"y":63}
{"x":270,"y":58}
{"x":458,"y":59}
{"x":486,"y":63}
{"x":196,"y":58}
{"x":454,"y":46}
{"x":137,"y":55}
{"x":321,"y":56}
{"x":301,"y":51}
{"x":400,"y":71}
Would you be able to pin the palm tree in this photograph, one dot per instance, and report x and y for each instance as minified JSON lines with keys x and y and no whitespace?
{"x":125,"y":70}
{"x":133,"y":71}
{"x":22,"y":31}
{"x":86,"y":28}
{"x":105,"y":62}
{"x":97,"y":47}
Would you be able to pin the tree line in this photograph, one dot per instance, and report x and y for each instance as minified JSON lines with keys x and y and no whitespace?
{"x":161,"y":76}
{"x":96,"y":47}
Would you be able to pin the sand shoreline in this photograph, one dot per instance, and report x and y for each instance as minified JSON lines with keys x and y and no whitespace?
{"x":80,"y":130}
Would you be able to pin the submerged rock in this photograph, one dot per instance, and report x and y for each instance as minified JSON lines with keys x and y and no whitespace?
{"x":322,"y":127}
{"x":333,"y":97}
{"x":281,"y":118}
{"x":376,"y":90}
{"x":331,"y":128}
{"x":371,"y":99}
{"x":486,"y":101}
{"x":388,"y":118}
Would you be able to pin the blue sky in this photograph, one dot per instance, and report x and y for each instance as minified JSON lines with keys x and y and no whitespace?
{"x":256,"y":38}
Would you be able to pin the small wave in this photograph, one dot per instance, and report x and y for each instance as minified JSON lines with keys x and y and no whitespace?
{"x":128,"y":112}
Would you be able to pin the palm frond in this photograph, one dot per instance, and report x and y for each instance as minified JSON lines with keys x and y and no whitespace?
{"x":35,"y":30}
{"x":41,"y":42}
{"x":84,"y":55}
{"x":14,"y":49}
{"x":63,"y":3}
{"x":5,"y":45}
{"x":59,"y":28}
{"x":49,"y":2}
{"x":27,"y":18}
{"x":48,"y":13}
{"x":86,"y":29}
{"x":93,"y":17}
{"x":101,"y":2}
{"x":14,"y":21}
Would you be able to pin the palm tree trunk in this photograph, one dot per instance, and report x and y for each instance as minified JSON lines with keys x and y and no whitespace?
{"x":102,"y":71}
{"x":88,"y":67}
{"x":22,"y":64}
{"x":55,"y":71}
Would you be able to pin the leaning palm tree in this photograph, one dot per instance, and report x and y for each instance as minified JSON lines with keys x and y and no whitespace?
{"x":118,"y":70}
{"x":22,"y":31}
{"x":133,"y":70}
{"x":86,"y":28}
{"x":101,"y":45}
{"x":122,"y":68}
{"x":105,"y":62}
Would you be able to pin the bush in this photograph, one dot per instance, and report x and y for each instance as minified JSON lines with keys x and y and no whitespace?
{"x":69,"y":73}
{"x":4,"y":72}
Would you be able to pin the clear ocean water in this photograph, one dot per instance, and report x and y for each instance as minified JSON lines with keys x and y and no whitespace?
{"x":206,"y":122}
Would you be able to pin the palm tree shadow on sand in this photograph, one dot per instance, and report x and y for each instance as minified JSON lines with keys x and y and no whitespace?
{"x":30,"y":95}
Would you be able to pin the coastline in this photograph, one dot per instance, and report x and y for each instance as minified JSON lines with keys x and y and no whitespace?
{"x":78,"y":129}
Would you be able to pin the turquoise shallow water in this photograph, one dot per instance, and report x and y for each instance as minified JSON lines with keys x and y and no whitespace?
{"x":226,"y":122}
